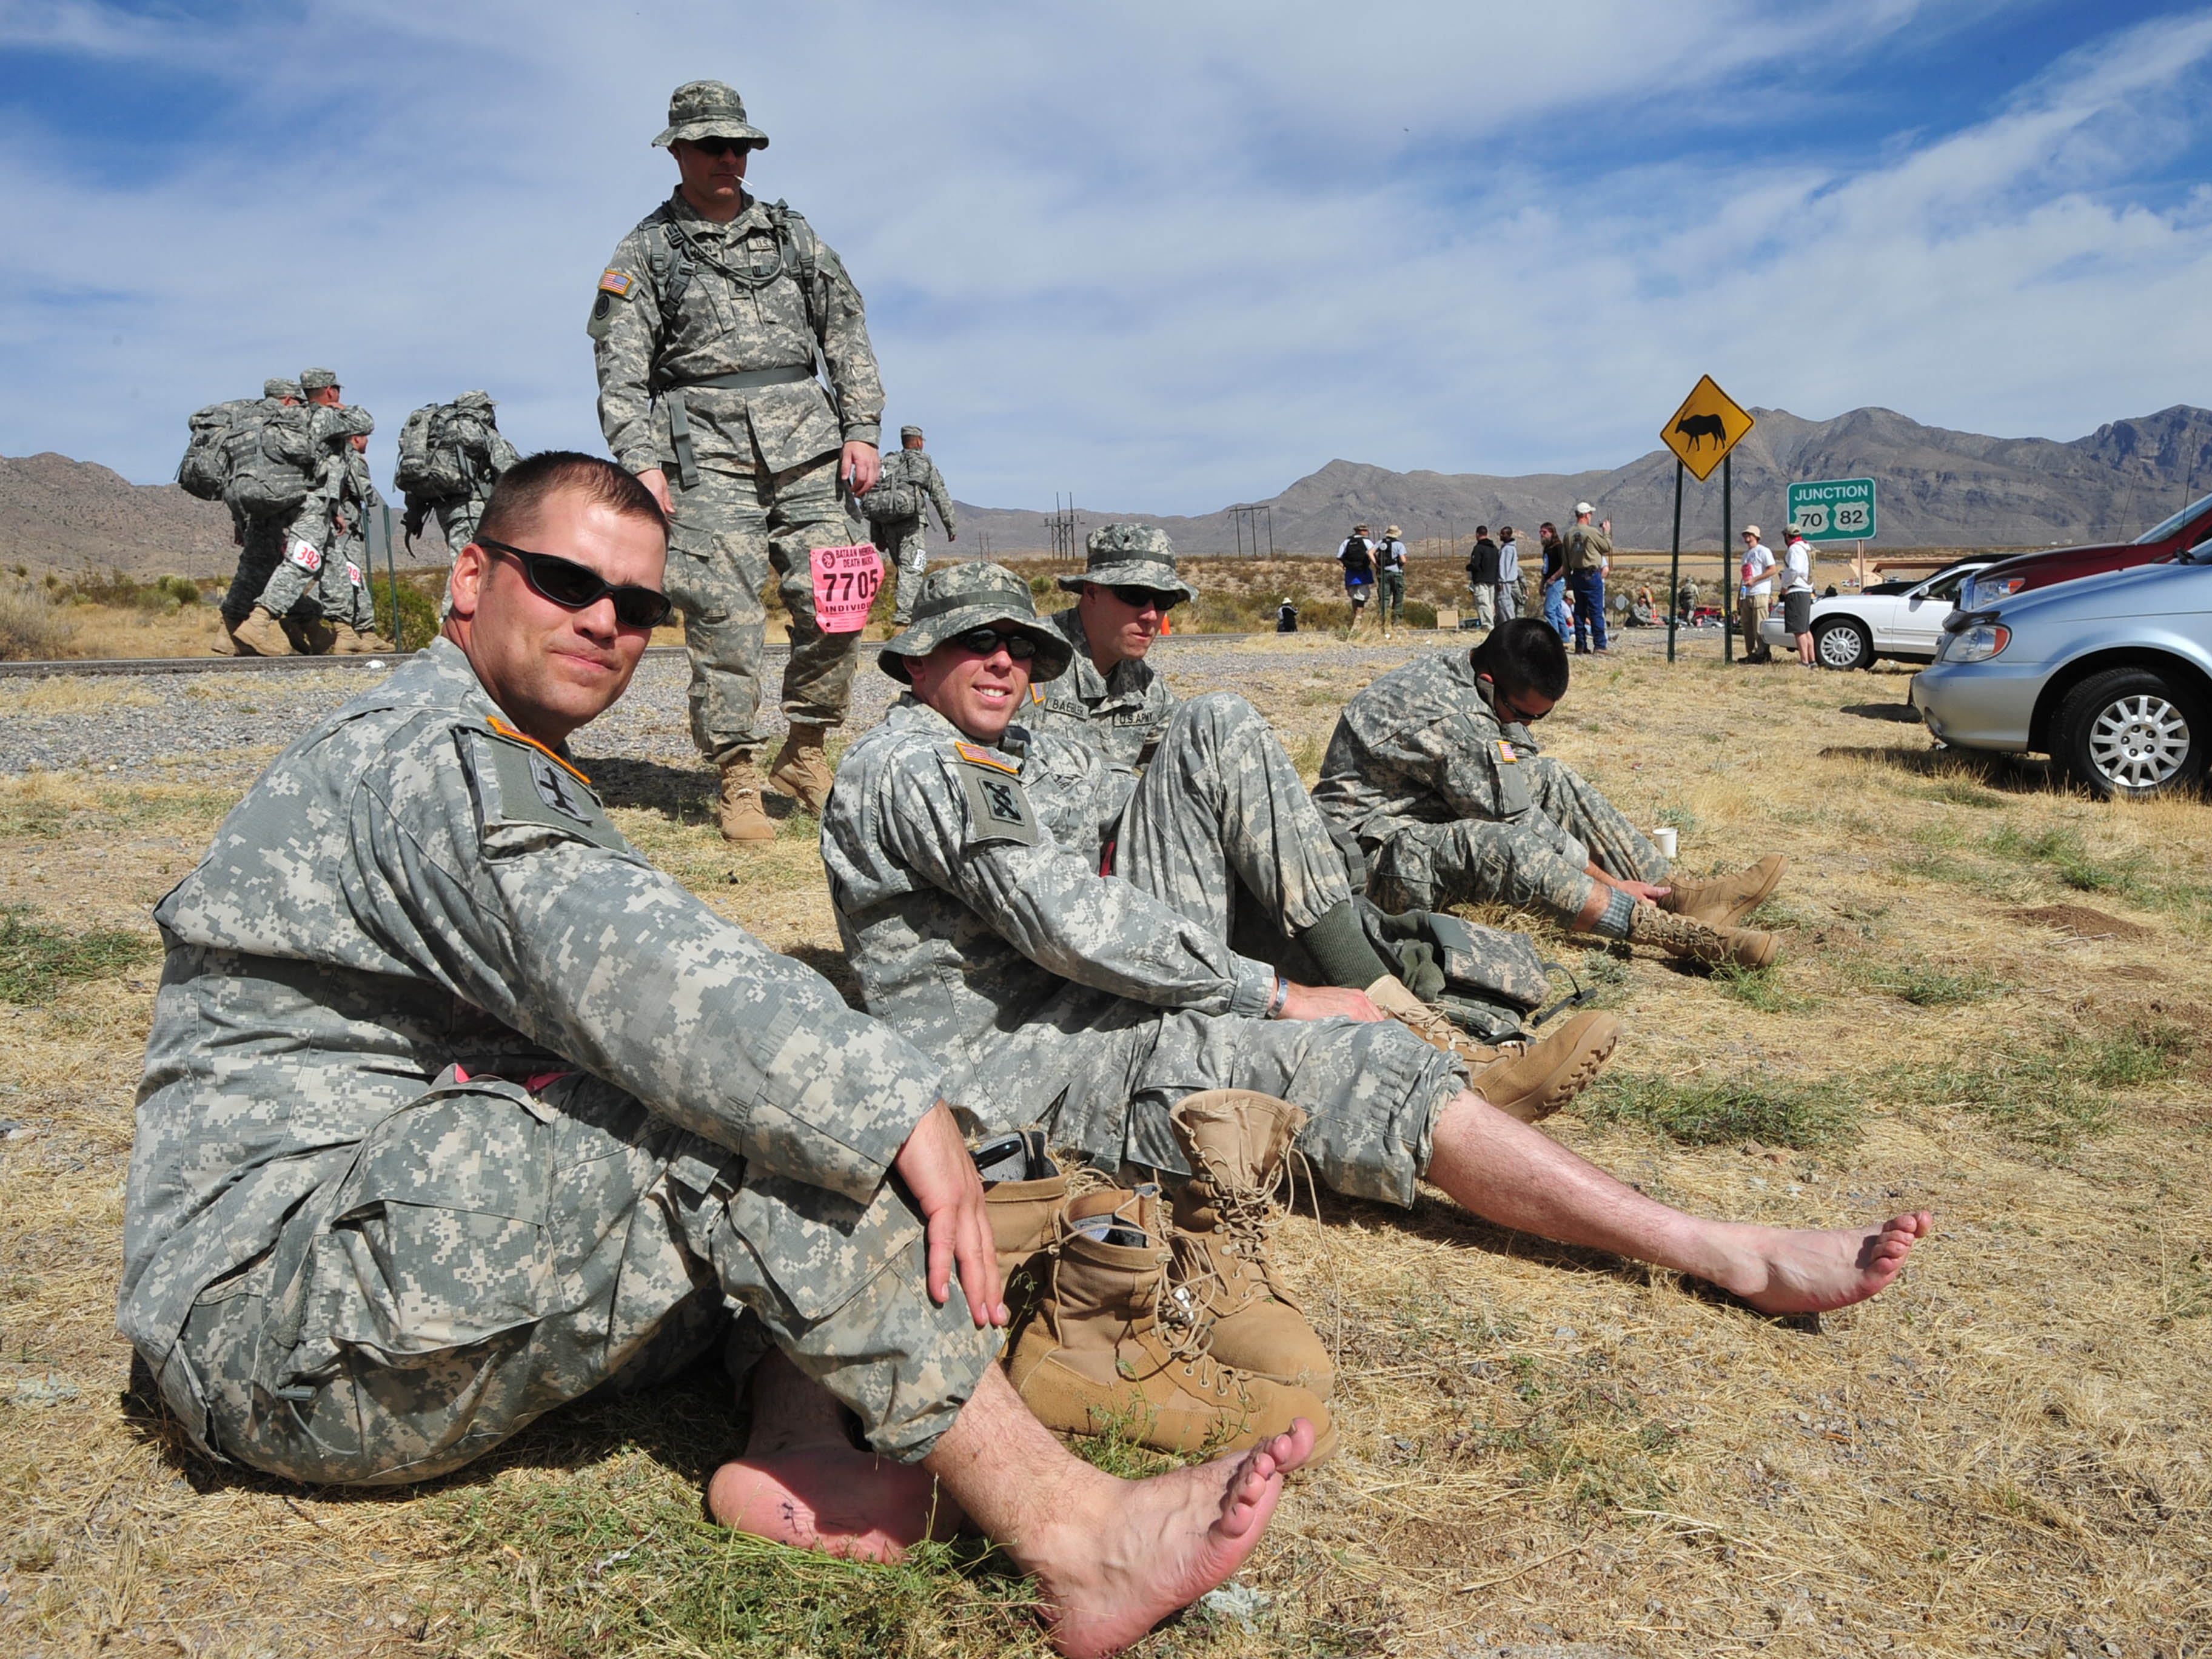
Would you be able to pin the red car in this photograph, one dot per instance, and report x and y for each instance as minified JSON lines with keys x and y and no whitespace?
{"x":2193,"y":525}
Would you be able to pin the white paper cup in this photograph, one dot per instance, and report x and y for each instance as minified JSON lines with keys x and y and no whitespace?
{"x":1664,"y":839}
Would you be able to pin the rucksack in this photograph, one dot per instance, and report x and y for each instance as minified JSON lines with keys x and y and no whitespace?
{"x":270,"y":465}
{"x":434,"y":454}
{"x":203,"y":472}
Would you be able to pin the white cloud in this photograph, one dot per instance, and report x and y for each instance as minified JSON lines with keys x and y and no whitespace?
{"x":1165,"y":256}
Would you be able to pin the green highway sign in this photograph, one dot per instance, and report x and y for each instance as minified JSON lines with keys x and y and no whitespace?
{"x":1833,"y":510}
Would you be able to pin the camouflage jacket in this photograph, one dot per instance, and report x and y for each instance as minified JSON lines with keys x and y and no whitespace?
{"x":413,"y":885}
{"x":356,"y":494}
{"x":741,"y":310}
{"x":1120,"y":714}
{"x":1422,"y":744}
{"x":969,"y":898}
{"x":914,"y":467}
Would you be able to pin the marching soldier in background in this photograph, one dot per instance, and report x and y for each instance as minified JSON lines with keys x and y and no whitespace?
{"x":911,"y":483}
{"x":706,"y":328}
{"x":450,"y":457}
{"x":343,"y":590}
{"x":303,"y":537}
{"x":259,"y":549}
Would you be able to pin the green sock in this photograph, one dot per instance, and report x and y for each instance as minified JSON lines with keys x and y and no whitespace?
{"x":1339,"y":946}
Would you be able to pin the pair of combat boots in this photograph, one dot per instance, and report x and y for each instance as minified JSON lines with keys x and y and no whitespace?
{"x":1163,"y":1323}
{"x":1698,"y":919}
{"x":262,"y":634}
{"x":801,"y":771}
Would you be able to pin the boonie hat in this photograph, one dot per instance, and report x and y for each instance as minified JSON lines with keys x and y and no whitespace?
{"x":1392,"y":531}
{"x":280,"y":388}
{"x":314,"y":379}
{"x":1130,"y":555}
{"x":709,"y":109}
{"x":906,"y":432}
{"x":1584,"y":506}
{"x":954,"y":598}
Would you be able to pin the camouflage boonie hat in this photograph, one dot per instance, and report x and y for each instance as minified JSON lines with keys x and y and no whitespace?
{"x":906,"y":432}
{"x":280,"y":388}
{"x":475,"y":400}
{"x":954,"y":598}
{"x":709,"y":109}
{"x":1130,"y":555}
{"x":314,"y":379}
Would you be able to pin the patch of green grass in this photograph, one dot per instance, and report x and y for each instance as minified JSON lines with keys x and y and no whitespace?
{"x":2059,"y":848}
{"x":1719,"y":1111}
{"x":36,"y":961}
{"x":2056,"y":1095}
{"x":1600,"y":973}
{"x":1926,"y":984}
{"x":1680,"y":816}
{"x":1762,"y":989}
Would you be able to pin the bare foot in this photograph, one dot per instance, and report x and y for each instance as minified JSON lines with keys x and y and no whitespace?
{"x":1783,"y":1272}
{"x":1171,"y":1540}
{"x":836,"y":1499}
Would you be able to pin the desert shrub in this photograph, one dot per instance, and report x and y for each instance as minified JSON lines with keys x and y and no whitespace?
{"x":30,"y":629}
{"x":417,"y":608}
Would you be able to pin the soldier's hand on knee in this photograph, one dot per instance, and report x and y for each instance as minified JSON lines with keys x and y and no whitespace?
{"x":940,"y":1175}
{"x":1329,"y":1002}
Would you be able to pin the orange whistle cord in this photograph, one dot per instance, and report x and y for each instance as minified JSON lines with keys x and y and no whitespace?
{"x":507,"y":731}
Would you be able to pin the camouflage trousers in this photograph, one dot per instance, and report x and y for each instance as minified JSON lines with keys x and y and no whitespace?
{"x":342,"y":593}
{"x":904,"y":543}
{"x":458,"y":517}
{"x":1220,"y":819}
{"x":730,"y":529}
{"x":260,"y":555}
{"x":493,"y":1252}
{"x":1433,"y":866}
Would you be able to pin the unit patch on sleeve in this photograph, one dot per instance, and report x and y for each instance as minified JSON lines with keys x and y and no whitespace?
{"x":998,"y":807}
{"x":531,"y":784}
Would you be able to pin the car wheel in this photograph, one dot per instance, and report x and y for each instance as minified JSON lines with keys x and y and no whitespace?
{"x":2132,"y":731}
{"x":1842,"y":643}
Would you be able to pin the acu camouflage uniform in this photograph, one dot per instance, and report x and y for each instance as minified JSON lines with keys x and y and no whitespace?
{"x":706,"y":355}
{"x":489,"y":455}
{"x":969,"y":899}
{"x":1120,"y":714}
{"x":454,"y":1108}
{"x":1452,"y":805}
{"x":307,"y":541}
{"x":903,"y":542}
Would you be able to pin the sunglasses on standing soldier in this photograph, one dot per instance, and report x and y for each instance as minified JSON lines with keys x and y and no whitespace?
{"x":720,"y":146}
{"x":573,"y":586}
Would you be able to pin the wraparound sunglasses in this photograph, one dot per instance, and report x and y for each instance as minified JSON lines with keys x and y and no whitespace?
{"x":573,"y":586}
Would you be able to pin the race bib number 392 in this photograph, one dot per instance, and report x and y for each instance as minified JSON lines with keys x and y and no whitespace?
{"x":846,"y":581}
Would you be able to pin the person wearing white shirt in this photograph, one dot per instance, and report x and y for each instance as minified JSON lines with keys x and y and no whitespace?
{"x":1798,"y":595}
{"x":1755,"y":595}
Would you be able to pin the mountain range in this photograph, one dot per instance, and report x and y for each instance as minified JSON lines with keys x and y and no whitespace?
{"x":1936,"y":488}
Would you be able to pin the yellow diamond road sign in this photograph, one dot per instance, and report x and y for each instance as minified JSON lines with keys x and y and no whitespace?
{"x":1708,"y":425}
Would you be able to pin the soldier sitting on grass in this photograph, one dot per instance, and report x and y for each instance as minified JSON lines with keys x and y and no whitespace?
{"x":1111,"y":697}
{"x":1433,"y":770}
{"x":455,"y":1108}
{"x":965,"y":854}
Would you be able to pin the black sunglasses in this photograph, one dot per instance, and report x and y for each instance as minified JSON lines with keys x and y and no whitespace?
{"x":573,"y":587}
{"x":986,"y":641}
{"x":720,"y":146}
{"x":1513,"y":708}
{"x":1138,"y":597}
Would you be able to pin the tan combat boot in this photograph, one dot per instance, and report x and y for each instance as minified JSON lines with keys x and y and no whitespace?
{"x":739,"y":809}
{"x":262,"y":635}
{"x":226,"y":643}
{"x":801,"y":770}
{"x":353,"y":642}
{"x":1725,"y":899}
{"x":1024,"y":1207}
{"x":1531,"y":1081}
{"x":1746,"y":947}
{"x":1098,"y":1357}
{"x":1390,"y":994}
{"x":1238,"y":1143}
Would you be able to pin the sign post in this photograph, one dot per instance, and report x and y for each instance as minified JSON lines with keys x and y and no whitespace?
{"x":1674,"y":570}
{"x":1704,"y":430}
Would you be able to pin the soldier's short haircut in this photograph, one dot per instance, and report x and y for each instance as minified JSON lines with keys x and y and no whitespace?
{"x":520,"y":495}
{"x":1524,"y":654}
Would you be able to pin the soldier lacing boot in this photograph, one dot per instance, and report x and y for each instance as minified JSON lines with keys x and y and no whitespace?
{"x":1746,"y":947}
{"x":1532,"y":1080}
{"x":801,"y":770}
{"x":1100,"y":1356}
{"x":1238,"y":1144}
{"x":738,"y":810}
{"x":1023,"y":1193}
{"x":262,"y":635}
{"x":1725,"y":899}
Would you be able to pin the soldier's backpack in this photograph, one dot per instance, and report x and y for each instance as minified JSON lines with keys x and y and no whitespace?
{"x":893,"y":497}
{"x":204,"y":471}
{"x":270,"y":465}
{"x":434,"y":462}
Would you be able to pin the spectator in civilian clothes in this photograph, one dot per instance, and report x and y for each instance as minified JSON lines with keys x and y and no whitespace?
{"x":1508,"y":576}
{"x":1357,"y":555}
{"x":1589,"y":556}
{"x":1798,"y":595}
{"x":1390,"y":579}
{"x":1555,"y":581}
{"x":1755,"y":595}
{"x":1482,"y":577}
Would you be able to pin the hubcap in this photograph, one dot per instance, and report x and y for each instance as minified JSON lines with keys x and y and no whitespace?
{"x":2139,"y":742}
{"x":1839,"y":648}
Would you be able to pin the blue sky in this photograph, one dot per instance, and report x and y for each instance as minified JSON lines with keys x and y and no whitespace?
{"x":1164,"y":256}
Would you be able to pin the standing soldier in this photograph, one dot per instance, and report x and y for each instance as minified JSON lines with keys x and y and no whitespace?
{"x":912,"y":483}
{"x":303,"y":539}
{"x":258,"y":547}
{"x":450,"y":456}
{"x":706,"y":330}
{"x":343,"y":588}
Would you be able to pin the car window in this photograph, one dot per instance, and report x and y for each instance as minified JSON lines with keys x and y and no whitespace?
{"x":2163,"y":531}
{"x":1945,"y":587}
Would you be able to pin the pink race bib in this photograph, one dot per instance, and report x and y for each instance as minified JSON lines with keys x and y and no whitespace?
{"x":846,"y":579}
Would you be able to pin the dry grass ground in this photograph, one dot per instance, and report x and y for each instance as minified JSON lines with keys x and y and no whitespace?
{"x":1991,"y":1006}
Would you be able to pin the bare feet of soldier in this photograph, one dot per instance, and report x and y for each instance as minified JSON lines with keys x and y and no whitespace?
{"x":1168,"y":1540}
{"x":1815,"y":1271}
{"x":835,"y":1499}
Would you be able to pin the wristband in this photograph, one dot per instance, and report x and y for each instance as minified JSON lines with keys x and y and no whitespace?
{"x":1282,"y":998}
